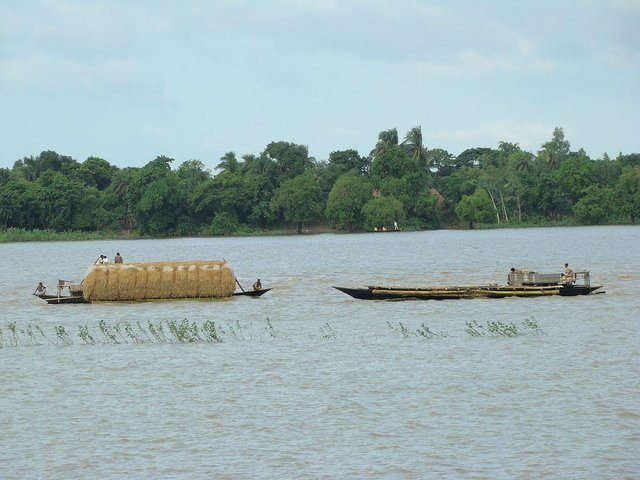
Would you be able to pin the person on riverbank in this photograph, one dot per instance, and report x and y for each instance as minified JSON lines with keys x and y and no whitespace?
{"x":40,"y":290}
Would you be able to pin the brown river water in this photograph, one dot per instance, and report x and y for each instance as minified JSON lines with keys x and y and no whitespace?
{"x":310,"y":383}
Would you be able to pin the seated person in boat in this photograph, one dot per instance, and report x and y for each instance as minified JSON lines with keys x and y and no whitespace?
{"x":40,"y":290}
{"x":118,"y":258}
{"x":257,"y":285}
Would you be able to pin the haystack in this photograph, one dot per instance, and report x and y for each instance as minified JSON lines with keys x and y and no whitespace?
{"x":159,"y":280}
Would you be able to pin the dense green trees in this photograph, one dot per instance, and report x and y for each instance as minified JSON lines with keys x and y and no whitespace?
{"x":398,"y":181}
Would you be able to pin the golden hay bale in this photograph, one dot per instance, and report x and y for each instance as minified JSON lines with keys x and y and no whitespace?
{"x":142,"y":278}
{"x":151,"y":286}
{"x":182,"y":282}
{"x":167,"y":280}
{"x":128,"y":277}
{"x":191,"y":285}
{"x":158,"y":280}
{"x":95,"y":281}
{"x":113,"y":283}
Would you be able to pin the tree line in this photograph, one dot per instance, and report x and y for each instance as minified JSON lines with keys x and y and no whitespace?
{"x":400,"y":180}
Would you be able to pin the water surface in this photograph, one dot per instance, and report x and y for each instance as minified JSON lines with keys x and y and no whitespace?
{"x":332,"y":389}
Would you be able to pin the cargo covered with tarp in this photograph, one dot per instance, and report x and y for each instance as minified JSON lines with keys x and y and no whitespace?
{"x":159,"y":280}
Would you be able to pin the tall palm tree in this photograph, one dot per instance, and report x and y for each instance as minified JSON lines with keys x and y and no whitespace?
{"x":413,"y":143}
{"x":228,"y":163}
{"x":386,"y":140}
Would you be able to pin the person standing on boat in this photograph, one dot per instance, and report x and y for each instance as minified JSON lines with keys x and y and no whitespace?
{"x":568,"y":275}
{"x":40,"y":289}
{"x":118,"y":258}
{"x":257,"y":285}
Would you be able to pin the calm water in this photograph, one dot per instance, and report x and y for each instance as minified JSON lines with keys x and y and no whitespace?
{"x":332,"y":391}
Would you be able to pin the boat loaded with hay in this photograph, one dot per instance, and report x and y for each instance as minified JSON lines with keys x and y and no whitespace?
{"x":131,"y":282}
{"x":521,"y":283}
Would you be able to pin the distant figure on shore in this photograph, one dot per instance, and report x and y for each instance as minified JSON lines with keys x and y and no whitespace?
{"x":257,"y":285}
{"x":395,"y":226}
{"x":40,"y":290}
{"x":384,"y":228}
{"x":375,"y":229}
{"x":118,"y":258}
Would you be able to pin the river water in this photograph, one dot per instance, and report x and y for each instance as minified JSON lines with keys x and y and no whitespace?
{"x":310,"y":383}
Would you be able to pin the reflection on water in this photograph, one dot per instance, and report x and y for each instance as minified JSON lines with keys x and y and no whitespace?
{"x":310,"y":383}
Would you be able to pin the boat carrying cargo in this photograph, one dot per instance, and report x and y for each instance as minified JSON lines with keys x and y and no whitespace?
{"x":520,"y":283}
{"x":143,"y":281}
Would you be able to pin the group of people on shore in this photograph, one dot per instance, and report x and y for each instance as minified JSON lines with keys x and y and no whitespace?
{"x":396,"y":228}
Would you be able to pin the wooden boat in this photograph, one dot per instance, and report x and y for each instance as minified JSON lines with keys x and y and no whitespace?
{"x":251,"y":293}
{"x":530,"y":285}
{"x":77,"y":292}
{"x":53,"y":299}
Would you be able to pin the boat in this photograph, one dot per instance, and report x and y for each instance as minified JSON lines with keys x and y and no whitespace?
{"x":520,"y":283}
{"x":145,"y":281}
{"x":251,"y":293}
{"x":54,"y":299}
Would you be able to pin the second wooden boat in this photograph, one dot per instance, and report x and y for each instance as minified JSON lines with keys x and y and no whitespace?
{"x":526,"y":285}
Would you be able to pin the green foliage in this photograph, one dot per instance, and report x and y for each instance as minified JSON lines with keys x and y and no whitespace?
{"x":393,"y":162}
{"x":158,"y":198}
{"x":224,"y":224}
{"x":627,"y":192}
{"x":290,"y":159}
{"x":299,"y":200}
{"x":429,"y":209}
{"x":501,"y":329}
{"x":55,"y":193}
{"x":475,"y":208}
{"x":555,"y":150}
{"x":346,"y":200}
{"x":383,"y":211}
{"x":595,"y":206}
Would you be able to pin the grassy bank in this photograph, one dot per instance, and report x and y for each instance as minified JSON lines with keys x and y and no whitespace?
{"x":21,"y":235}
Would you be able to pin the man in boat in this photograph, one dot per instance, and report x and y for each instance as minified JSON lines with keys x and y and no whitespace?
{"x":118,"y":258}
{"x":40,"y":290}
{"x":257,"y":285}
{"x":568,"y":276}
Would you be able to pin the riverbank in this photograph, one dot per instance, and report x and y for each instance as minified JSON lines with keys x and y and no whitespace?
{"x":21,"y":235}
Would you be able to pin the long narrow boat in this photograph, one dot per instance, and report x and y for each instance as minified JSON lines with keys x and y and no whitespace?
{"x":150,"y":281}
{"x":251,"y":293}
{"x":54,"y":299}
{"x":527,"y":285}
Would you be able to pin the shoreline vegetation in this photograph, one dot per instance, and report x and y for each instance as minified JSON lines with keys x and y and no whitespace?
{"x":400,"y":184}
{"x":16,"y":235}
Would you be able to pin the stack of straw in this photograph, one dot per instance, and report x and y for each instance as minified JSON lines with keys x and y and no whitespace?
{"x":159,"y":280}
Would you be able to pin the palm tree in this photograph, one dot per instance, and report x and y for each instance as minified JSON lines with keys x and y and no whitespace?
{"x":386,"y":140}
{"x":413,"y":143}
{"x":120,"y":187}
{"x":228,"y":163}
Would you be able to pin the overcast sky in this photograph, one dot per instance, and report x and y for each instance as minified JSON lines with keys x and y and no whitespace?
{"x":128,"y":80}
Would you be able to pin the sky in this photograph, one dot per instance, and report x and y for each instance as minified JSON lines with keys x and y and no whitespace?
{"x":130,"y":80}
